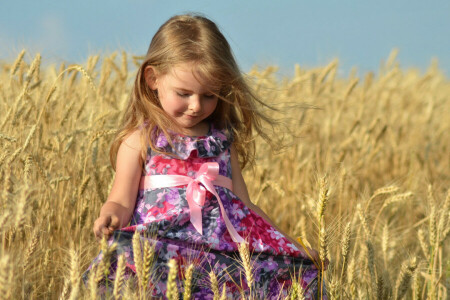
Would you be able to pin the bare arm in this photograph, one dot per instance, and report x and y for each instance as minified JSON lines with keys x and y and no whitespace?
{"x":118,"y":208}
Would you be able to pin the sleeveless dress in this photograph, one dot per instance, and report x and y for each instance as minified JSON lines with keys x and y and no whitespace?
{"x":162,"y":215}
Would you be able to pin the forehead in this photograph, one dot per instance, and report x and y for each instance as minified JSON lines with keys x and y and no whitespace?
{"x":188,"y":76}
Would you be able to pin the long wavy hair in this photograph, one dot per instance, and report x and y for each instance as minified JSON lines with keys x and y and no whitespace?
{"x":195,"y":39}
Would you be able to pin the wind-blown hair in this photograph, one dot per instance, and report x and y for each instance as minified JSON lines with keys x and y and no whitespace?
{"x":196,"y":40}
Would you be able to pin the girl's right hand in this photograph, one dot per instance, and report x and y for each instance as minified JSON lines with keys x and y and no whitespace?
{"x":105,"y":226}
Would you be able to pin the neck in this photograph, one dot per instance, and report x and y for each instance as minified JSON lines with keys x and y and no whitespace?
{"x":198,"y":130}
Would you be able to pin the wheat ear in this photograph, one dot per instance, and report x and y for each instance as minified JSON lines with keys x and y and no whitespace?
{"x":214,"y":285}
{"x":16,"y":63}
{"x":137,"y":255}
{"x":31,"y":249}
{"x":74,"y":275}
{"x":172,"y":290}
{"x":148,"y":258}
{"x":120,"y":277}
{"x":6,"y":277}
{"x":188,"y":282}
{"x":404,"y":278}
{"x":223,"y":296}
{"x":345,"y":247}
{"x":246,"y":262}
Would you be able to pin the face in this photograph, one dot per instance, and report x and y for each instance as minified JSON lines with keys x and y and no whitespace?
{"x":185,"y":99}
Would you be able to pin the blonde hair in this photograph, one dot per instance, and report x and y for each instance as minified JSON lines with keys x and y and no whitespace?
{"x":194,"y":39}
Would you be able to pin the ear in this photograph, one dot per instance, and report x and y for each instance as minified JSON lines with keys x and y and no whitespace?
{"x":150,"y":75}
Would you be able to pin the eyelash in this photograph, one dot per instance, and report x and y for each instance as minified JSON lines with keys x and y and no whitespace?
{"x":183,"y":95}
{"x":187,"y":95}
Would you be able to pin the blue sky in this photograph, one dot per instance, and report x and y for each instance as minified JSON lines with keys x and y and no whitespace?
{"x":310,"y":33}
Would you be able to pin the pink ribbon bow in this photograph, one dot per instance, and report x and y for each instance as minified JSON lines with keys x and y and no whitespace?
{"x":205,"y":179}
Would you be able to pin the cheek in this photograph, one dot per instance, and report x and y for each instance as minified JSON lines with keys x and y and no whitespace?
{"x":168,"y":102}
{"x":211,"y":106}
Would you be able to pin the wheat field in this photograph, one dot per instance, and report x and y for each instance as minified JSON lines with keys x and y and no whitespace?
{"x":364,"y":176}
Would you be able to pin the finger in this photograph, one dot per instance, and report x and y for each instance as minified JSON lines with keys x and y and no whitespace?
{"x":98,"y":232}
{"x":105,"y":232}
{"x":114,"y":223}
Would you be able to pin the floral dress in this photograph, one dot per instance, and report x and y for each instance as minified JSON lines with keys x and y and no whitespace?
{"x":163,"y":217}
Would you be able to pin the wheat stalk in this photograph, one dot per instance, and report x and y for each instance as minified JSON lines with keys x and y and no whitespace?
{"x":16,"y":63}
{"x":74,"y":275}
{"x":371,"y":265}
{"x":31,"y":249}
{"x":137,"y":255}
{"x":246,"y":262}
{"x":345,"y":247}
{"x":363,"y":219}
{"x":6,"y":277}
{"x":404,"y":278}
{"x":83,"y":186}
{"x":214,"y":285}
{"x":172,"y":290}
{"x":93,"y":283}
{"x":105,"y":263}
{"x":380,"y":287}
{"x":323,"y":198}
{"x":119,"y":279}
{"x":8,"y":138}
{"x":423,"y":243}
{"x":223,"y":296}
{"x":188,"y":275}
{"x":385,"y":243}
{"x":148,"y":259}
{"x":442,"y":229}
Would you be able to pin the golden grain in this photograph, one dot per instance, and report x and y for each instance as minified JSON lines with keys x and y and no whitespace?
{"x":74,"y":275}
{"x":214,"y":285}
{"x":223,"y":296}
{"x":93,"y":283}
{"x":119,"y":279}
{"x":31,"y":249}
{"x":432,"y":223}
{"x":16,"y":63}
{"x":83,"y":185}
{"x":8,"y":138}
{"x":137,"y":256}
{"x":443,"y":219}
{"x":6,"y":277}
{"x":404,"y":278}
{"x":388,"y":132}
{"x":172,"y":289}
{"x":246,"y":263}
{"x":323,"y":199}
{"x":148,"y":259}
{"x":345,"y":247}
{"x":188,"y":284}
{"x":424,"y":244}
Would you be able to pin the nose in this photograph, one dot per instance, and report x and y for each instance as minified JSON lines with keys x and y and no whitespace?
{"x":195,"y":104}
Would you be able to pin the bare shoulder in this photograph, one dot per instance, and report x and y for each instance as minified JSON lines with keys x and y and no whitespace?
{"x":133,"y":140}
{"x":130,"y":150}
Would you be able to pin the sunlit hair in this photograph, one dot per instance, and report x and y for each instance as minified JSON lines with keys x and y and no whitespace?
{"x":196,"y":40}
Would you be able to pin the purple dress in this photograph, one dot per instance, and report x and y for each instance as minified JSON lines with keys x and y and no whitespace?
{"x":163,"y":213}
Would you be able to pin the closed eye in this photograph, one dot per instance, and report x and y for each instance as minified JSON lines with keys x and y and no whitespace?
{"x":184,"y":95}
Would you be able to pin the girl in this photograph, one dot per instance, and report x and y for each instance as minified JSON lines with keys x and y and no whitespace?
{"x":185,"y":135}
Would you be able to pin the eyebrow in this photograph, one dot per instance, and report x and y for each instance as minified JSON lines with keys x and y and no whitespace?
{"x":183,"y":89}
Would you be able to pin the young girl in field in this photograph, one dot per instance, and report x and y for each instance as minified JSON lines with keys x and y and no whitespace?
{"x":186,"y":133}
